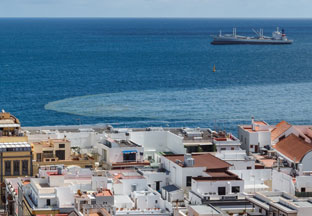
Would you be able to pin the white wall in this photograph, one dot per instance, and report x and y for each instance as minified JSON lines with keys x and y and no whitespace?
{"x":261,"y":138}
{"x":256,"y":176}
{"x":80,"y":139}
{"x":282,"y":182}
{"x":65,"y":196}
{"x":141,"y":185}
{"x":304,"y":182}
{"x":178,"y":174}
{"x":144,"y":200}
{"x":98,"y":182}
{"x":158,"y":141}
{"x":115,"y":155}
{"x":202,"y":187}
{"x":241,"y":164}
{"x":307,"y":162}
{"x":152,"y":177}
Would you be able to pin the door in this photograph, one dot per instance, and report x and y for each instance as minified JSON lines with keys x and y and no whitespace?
{"x":256,"y":149}
{"x":158,"y":185}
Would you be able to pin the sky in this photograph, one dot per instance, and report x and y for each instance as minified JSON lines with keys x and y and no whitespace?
{"x":157,"y":8}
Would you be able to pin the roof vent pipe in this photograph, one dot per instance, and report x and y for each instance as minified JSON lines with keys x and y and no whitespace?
{"x":253,"y":123}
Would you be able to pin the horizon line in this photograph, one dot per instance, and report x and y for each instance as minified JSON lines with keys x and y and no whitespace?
{"x":90,"y":17}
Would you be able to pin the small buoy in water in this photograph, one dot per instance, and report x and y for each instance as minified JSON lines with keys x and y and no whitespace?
{"x":214,"y":68}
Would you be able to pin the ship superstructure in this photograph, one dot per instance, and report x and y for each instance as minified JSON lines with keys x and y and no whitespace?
{"x":278,"y":37}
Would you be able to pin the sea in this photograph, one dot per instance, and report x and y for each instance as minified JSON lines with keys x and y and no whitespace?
{"x":153,"y":72}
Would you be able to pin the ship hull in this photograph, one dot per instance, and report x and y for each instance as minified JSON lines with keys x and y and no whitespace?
{"x":250,"y":41}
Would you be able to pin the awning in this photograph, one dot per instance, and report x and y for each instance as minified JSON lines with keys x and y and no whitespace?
{"x":129,"y":151}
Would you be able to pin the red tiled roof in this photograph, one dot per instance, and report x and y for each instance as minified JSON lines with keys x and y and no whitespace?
{"x":218,"y":176}
{"x":260,"y":123}
{"x":279,"y":129}
{"x":202,"y":160}
{"x":293,"y":147}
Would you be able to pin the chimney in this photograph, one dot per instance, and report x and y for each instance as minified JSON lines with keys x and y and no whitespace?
{"x":253,"y":123}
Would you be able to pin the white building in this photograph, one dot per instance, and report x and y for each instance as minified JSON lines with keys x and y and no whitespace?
{"x":182,"y":168}
{"x":215,"y":187}
{"x":155,"y":141}
{"x":296,"y":151}
{"x":127,"y":181}
{"x":227,"y":143}
{"x":156,"y":178}
{"x":255,"y":136}
{"x":280,"y":204}
{"x":237,"y":158}
{"x":172,"y":193}
{"x":204,"y":210}
{"x":121,"y":153}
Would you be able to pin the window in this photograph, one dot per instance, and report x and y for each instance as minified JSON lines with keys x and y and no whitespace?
{"x":223,"y":149}
{"x":47,"y":154}
{"x":235,"y":189}
{"x":251,"y":146}
{"x":61,"y":145}
{"x":7,"y":165}
{"x":303,"y":189}
{"x":39,"y":158}
{"x":16,"y":167}
{"x":188,"y":181}
{"x":60,"y":154}
{"x":25,"y":167}
{"x":248,"y":167}
{"x":129,"y":156}
{"x":48,"y":202}
{"x":221,"y":190}
{"x":232,"y":148}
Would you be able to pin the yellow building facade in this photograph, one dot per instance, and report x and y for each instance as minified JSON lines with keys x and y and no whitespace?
{"x":58,"y":152}
{"x":15,"y":151}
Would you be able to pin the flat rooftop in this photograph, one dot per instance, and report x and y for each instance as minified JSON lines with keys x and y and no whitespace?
{"x":204,"y":209}
{"x":111,"y":143}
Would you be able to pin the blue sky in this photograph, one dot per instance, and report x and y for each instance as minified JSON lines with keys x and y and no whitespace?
{"x":157,"y":8}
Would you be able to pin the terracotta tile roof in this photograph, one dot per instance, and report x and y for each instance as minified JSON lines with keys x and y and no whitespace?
{"x":260,"y":123}
{"x":220,"y":174}
{"x":279,"y":129}
{"x":202,"y":160}
{"x":293,"y":147}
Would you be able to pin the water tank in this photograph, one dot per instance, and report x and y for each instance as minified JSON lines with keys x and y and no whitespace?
{"x":59,"y":170}
{"x":190,"y":162}
{"x":186,"y":156}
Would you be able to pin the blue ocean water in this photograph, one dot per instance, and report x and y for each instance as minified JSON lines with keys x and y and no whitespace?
{"x":153,"y":72}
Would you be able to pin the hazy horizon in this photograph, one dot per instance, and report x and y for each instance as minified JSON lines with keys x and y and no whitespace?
{"x":155,"y":9}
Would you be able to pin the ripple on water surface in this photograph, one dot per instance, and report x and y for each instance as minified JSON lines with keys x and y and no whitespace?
{"x":273,"y":102}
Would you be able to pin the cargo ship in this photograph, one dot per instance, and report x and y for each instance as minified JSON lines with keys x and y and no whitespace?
{"x":278,"y":37}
